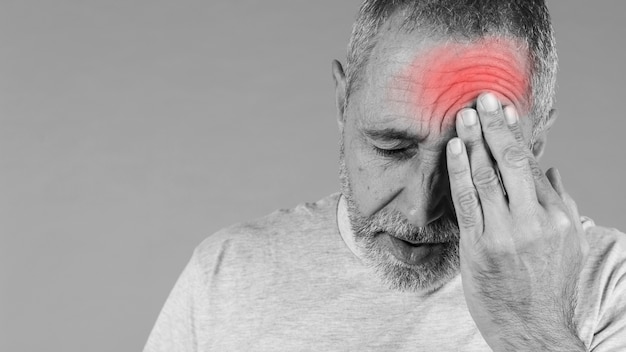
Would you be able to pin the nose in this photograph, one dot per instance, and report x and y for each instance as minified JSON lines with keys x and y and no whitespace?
{"x":423,"y":195}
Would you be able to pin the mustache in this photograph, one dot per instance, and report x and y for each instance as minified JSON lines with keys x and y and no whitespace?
{"x":444,"y":229}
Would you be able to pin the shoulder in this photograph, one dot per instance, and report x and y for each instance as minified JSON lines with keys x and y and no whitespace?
{"x":607,"y":245}
{"x":604,"y":273}
{"x":607,"y":255}
{"x":602,"y":289}
{"x":302,"y":218}
{"x":262,"y":237}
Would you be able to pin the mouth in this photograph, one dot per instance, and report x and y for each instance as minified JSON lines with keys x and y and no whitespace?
{"x":408,"y":252}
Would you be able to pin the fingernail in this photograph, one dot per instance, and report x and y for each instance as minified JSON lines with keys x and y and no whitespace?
{"x":469,"y":117}
{"x":455,"y":146}
{"x":489,"y":102}
{"x":510,"y":115}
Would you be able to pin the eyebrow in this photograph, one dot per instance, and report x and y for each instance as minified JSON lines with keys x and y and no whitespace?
{"x":390,"y":134}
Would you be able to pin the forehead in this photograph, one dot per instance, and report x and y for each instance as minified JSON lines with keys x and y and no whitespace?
{"x":421,"y":81}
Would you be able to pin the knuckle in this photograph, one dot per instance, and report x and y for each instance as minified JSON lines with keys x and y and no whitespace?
{"x":473,"y":143}
{"x":535,"y":227}
{"x":485,"y":176}
{"x":486,"y":181}
{"x":517,"y":132}
{"x":468,"y":220}
{"x":459,"y":174}
{"x":514,"y":156}
{"x":468,"y":200}
{"x":562,"y":221}
{"x":495,"y":121}
{"x":468,"y":204}
{"x":569,"y":201}
{"x":534,"y":223}
{"x":536,"y":171}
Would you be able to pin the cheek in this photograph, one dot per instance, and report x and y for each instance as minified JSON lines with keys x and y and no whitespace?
{"x":373,"y":180}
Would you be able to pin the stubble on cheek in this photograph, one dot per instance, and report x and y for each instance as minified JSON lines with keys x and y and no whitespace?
{"x":448,"y":77}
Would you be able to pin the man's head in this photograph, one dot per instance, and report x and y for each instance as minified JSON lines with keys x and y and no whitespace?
{"x":411,"y":66}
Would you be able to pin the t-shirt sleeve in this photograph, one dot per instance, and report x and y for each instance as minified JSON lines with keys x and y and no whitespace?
{"x":177,"y":324}
{"x":610,"y":335}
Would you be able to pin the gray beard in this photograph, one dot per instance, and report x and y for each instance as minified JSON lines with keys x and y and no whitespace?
{"x":424,"y":278}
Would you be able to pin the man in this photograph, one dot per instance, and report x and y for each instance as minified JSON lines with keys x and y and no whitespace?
{"x":447,"y":236}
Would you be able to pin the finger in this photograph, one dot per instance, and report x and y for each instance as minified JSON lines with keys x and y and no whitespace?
{"x":464,"y":196}
{"x":509,"y":155}
{"x":483,"y":170}
{"x":542,"y":185}
{"x":554,"y":177}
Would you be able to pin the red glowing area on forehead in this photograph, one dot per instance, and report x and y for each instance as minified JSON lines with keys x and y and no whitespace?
{"x":449,"y":77}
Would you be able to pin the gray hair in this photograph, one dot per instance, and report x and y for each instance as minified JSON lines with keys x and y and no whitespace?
{"x":527,"y":20}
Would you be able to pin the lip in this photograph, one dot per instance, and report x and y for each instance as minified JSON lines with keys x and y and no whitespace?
{"x":410,"y":242}
{"x":411,"y":253}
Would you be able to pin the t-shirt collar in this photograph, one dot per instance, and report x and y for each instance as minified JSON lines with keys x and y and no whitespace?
{"x":345,"y":228}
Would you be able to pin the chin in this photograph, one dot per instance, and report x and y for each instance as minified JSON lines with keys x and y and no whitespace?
{"x":424,"y":278}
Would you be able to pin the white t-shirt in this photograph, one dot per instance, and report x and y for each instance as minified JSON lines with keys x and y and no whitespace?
{"x":289,"y":282}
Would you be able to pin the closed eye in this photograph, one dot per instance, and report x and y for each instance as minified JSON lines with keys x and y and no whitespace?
{"x":397,"y":153}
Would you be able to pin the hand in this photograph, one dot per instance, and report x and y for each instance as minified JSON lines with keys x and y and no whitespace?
{"x":522,"y":245}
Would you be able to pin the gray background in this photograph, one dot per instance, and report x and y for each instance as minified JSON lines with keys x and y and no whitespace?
{"x":131,"y":130}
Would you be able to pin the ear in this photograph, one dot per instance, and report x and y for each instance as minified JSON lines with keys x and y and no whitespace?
{"x":340,"y":92}
{"x":540,"y":141}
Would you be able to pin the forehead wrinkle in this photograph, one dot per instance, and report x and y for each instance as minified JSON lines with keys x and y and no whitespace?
{"x":476,"y":86}
{"x":490,"y":76}
{"x":482,"y":70}
{"x":471,"y":79}
{"x":392,"y":91}
{"x":499,"y":68}
{"x":501,"y":54}
{"x":411,"y":119}
{"x":442,"y":80}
